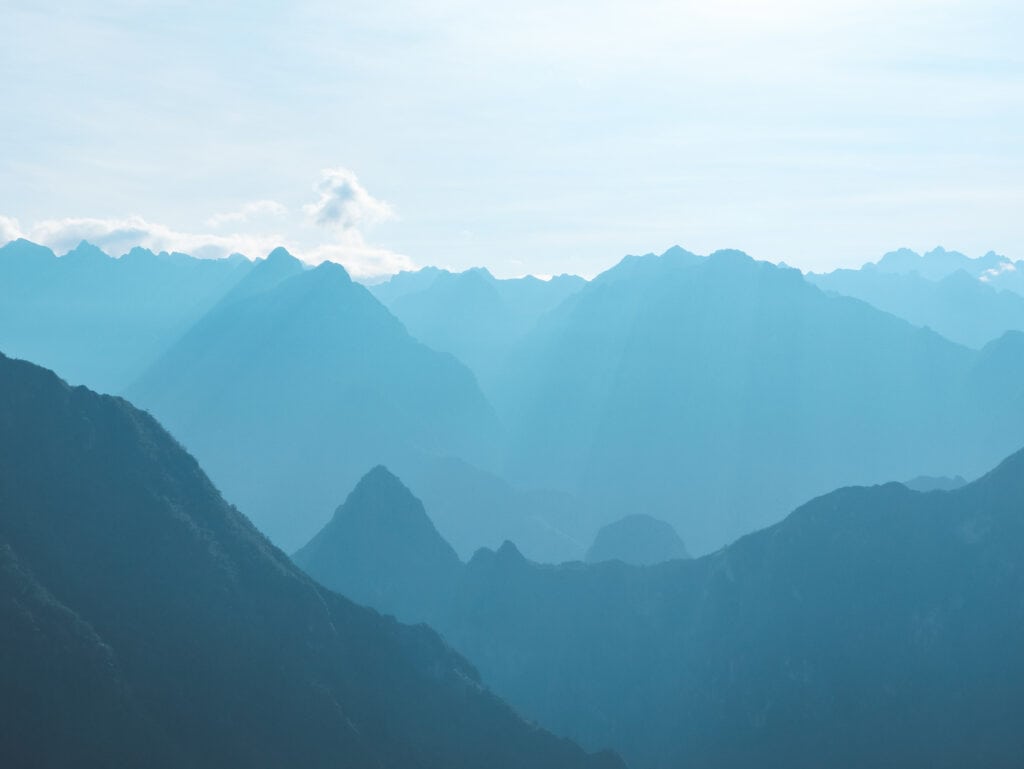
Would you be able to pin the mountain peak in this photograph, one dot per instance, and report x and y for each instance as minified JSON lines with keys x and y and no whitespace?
{"x":86,"y":251}
{"x":379,"y":478}
{"x":140,"y":253}
{"x":25,"y":250}
{"x":382,"y":529}
{"x":280,"y":254}
{"x":335,"y":269}
{"x":508,"y":552}
{"x":637,"y":539}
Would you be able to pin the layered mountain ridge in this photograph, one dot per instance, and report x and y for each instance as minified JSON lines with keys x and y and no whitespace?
{"x":874,"y":626}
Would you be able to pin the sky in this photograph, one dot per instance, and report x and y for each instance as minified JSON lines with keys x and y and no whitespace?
{"x":535,"y":137}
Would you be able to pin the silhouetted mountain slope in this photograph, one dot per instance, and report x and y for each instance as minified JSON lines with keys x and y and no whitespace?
{"x":287,"y":395}
{"x":382,"y":530}
{"x":472,"y":314}
{"x":147,"y":623}
{"x":63,"y":700}
{"x":872,"y":627}
{"x":718,"y":393}
{"x":959,"y":306}
{"x":637,"y":539}
{"x":98,"y":320}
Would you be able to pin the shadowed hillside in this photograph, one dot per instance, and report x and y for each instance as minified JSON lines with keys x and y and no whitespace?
{"x":147,"y":623}
{"x":872,"y":627}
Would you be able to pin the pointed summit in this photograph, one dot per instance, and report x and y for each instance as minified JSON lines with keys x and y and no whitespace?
{"x":266,"y":274}
{"x":86,"y":253}
{"x":280,"y":254}
{"x":381,"y":549}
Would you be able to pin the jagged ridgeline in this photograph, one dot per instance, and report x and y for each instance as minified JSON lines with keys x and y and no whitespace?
{"x":712,"y":393}
{"x":145,"y":622}
{"x":875,"y":627}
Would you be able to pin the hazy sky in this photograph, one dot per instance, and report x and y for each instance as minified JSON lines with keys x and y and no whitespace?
{"x":537,"y":137}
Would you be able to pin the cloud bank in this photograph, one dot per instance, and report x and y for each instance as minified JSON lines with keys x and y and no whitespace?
{"x":343,"y":207}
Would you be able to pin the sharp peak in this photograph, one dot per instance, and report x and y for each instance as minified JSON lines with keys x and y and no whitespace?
{"x":380,"y":479}
{"x":381,"y":474}
{"x":84,"y":247}
{"x":280,"y":254}
{"x":507,"y":553}
{"x":676,"y":250}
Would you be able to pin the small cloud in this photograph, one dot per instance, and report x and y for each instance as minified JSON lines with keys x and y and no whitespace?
{"x":9,"y":230}
{"x":362,"y":261}
{"x":995,"y":272}
{"x":344,"y":203}
{"x":255,"y":209}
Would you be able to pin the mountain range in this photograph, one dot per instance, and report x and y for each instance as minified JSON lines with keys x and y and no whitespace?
{"x":473,"y":315}
{"x":717,"y":393}
{"x":873,"y":626}
{"x":289,"y":391}
{"x":969,"y":301}
{"x":713,"y":393}
{"x":100,"y":321}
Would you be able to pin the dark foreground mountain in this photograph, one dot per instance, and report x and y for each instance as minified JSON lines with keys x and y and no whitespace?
{"x":873,"y":627}
{"x":718,"y":393}
{"x":145,"y":622}
{"x":637,"y":539}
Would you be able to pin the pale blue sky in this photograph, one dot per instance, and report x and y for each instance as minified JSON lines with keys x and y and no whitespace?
{"x":537,"y":137}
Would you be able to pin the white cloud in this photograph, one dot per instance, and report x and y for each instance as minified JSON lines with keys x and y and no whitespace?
{"x":118,"y":236}
{"x":253,"y":210}
{"x":344,"y":203}
{"x":9,"y":229}
{"x":344,"y":206}
{"x":362,"y":261}
{"x":994,"y":272}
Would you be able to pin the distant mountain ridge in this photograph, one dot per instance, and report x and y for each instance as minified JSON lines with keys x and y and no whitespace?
{"x":98,"y":320}
{"x":471,"y":314}
{"x":714,"y":392}
{"x":970,"y":301}
{"x":717,"y":392}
